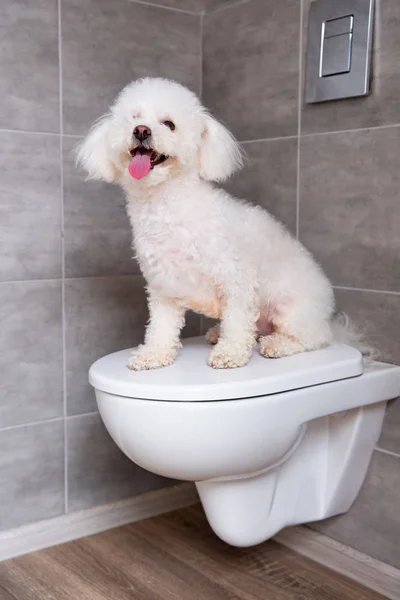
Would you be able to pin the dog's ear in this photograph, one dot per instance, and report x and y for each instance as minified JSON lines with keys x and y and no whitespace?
{"x":93,"y":154}
{"x":219,"y":154}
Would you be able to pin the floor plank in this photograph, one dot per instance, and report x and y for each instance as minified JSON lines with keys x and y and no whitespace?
{"x":171,"y":557}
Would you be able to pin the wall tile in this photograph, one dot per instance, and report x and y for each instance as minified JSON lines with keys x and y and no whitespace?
{"x":381,"y":107}
{"x":390,"y":437}
{"x":377,"y":316}
{"x":269,"y":178}
{"x":349,"y":217}
{"x":250,"y":67}
{"x":31,"y":382}
{"x":102,"y":316}
{"x":31,"y":473}
{"x":373,"y":523}
{"x":96,"y":68}
{"x":97,"y":233}
{"x":98,"y":472}
{"x":29,"y":65}
{"x":30,"y":207}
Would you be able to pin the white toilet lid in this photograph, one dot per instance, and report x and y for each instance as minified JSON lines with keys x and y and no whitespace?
{"x":191,"y":379}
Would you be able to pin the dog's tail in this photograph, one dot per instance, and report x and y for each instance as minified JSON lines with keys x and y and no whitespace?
{"x":345,"y":332}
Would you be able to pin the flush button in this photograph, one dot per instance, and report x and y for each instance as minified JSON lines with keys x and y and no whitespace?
{"x":336,"y":55}
{"x":338,"y":26}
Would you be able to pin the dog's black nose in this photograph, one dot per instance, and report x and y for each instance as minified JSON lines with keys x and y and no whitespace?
{"x":142,"y":132}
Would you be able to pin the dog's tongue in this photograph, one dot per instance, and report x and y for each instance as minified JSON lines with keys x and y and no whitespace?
{"x":140,"y":165}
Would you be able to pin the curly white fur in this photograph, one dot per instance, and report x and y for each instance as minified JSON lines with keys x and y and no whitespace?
{"x":198,"y":247}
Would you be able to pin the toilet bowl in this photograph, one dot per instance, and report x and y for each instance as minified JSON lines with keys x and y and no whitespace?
{"x":276,"y":443}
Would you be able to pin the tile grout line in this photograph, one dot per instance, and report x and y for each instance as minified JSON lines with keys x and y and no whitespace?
{"x":299,"y":101}
{"x":17,"y":281}
{"x":201,"y":56}
{"x":52,"y":420}
{"x":29,"y":132}
{"x":233,"y":4}
{"x":256,"y":140}
{"x":368,"y":290}
{"x":60,"y":84}
{"x":32,"y":424}
{"x":73,"y":135}
{"x":78,"y":416}
{"x":272,"y":139}
{"x":388,"y":452}
{"x":49,"y":133}
{"x":139,"y":276}
{"x":155,"y":5}
{"x":357,"y":129}
{"x":202,"y":16}
{"x":59,"y":279}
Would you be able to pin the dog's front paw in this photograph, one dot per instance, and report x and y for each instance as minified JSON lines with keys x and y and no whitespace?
{"x":145,"y":359}
{"x":225,"y":356}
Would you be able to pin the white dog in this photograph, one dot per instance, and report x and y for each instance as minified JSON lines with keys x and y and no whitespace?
{"x":198,"y":247}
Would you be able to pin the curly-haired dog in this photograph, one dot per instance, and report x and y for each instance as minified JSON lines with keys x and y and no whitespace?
{"x":198,"y":247}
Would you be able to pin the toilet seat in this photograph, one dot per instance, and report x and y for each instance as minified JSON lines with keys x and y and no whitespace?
{"x":190,"y":379}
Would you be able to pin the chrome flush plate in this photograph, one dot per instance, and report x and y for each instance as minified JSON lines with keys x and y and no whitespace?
{"x":339,"y":49}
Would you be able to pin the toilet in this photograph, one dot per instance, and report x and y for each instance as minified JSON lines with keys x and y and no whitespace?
{"x":276,"y":443}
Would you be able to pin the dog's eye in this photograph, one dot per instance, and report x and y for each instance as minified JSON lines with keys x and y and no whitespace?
{"x":169,"y":124}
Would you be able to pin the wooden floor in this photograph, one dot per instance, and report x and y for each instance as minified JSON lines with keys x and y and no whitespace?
{"x":174,"y":556}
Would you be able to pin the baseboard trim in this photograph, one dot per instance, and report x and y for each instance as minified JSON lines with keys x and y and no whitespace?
{"x":364,"y":569}
{"x":66,"y":528}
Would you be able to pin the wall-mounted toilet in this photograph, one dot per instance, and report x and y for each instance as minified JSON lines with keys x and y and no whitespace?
{"x":276,"y":443}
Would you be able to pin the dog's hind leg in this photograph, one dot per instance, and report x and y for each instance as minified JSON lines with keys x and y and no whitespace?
{"x":295,"y":331}
{"x":277,"y":345}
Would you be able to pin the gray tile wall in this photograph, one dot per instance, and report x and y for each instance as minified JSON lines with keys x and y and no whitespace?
{"x":69,"y":288}
{"x":331,"y":173}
